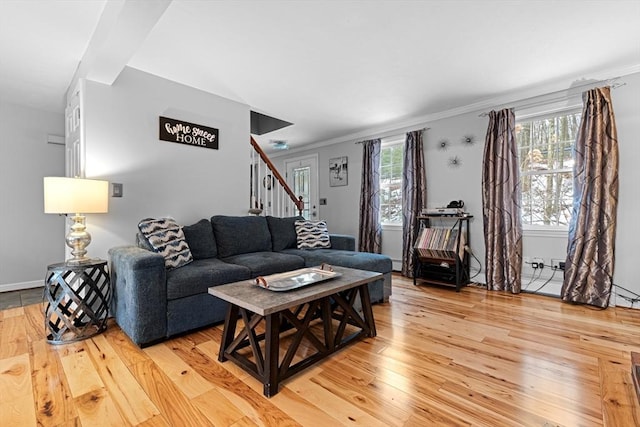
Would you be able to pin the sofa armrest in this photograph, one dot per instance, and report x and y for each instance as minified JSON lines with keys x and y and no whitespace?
{"x":139,"y":293}
{"x":343,"y":242}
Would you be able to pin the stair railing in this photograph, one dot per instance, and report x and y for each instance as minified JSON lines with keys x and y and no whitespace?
{"x":269,"y":193}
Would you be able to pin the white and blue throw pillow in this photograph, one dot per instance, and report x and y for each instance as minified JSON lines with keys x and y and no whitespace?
{"x":312,"y":234}
{"x":167,"y":238}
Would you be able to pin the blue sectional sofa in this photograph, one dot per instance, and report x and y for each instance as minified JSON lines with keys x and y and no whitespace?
{"x":151,"y":303}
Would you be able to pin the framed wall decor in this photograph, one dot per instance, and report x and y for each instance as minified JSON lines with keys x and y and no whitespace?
{"x":338,"y":172}
{"x":268,"y":182}
{"x":182,"y":132}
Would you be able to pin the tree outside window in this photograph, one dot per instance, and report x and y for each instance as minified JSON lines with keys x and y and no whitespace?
{"x":545,"y":152}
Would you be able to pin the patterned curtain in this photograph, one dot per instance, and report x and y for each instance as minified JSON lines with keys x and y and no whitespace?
{"x":592,"y":230}
{"x":414,"y":185}
{"x":370,"y":234}
{"x":501,"y":204}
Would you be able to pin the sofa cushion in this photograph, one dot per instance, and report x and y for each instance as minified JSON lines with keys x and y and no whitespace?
{"x":200,"y":275}
{"x":283,"y":232}
{"x":199,"y":237}
{"x":263,"y":263}
{"x":167,"y":238}
{"x":240,"y":234}
{"x":343,"y":241}
{"x":360,"y":260}
{"x":312,"y":234}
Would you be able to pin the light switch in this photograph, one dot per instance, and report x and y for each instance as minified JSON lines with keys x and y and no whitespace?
{"x":116,"y":190}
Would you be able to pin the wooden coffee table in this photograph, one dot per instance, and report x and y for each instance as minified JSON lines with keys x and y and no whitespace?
{"x":329,"y":304}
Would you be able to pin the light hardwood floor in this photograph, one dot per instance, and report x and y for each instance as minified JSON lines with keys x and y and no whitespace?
{"x":440,"y":358}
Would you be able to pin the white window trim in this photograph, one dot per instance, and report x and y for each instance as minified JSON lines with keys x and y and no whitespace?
{"x":392,"y":140}
{"x":392,"y":226}
{"x":546,"y":172}
{"x":544,"y":230}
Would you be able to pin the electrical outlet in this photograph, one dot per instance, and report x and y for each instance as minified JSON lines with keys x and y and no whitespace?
{"x":539,"y":262}
{"x":557,"y":264}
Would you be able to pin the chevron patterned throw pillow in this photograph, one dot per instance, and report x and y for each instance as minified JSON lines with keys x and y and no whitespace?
{"x":312,"y":234}
{"x":167,"y":238}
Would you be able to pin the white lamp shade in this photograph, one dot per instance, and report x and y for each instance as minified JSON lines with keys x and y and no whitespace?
{"x":75,"y":195}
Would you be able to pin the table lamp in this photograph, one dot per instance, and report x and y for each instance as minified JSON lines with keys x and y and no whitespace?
{"x":76,"y":196}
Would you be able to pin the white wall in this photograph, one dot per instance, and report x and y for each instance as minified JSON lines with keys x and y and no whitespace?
{"x":30,"y":239}
{"x":341,"y":210}
{"x":446,"y":183}
{"x":161,"y":178}
{"x":443,"y":182}
{"x":626,"y":105}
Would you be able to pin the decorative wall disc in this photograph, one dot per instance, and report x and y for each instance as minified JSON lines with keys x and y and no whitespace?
{"x":468,"y":140}
{"x":455,"y":162}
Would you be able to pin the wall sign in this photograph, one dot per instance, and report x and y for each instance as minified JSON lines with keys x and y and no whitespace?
{"x":173,"y":130}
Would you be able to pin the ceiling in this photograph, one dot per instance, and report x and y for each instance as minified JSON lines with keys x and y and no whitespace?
{"x":333,"y":68}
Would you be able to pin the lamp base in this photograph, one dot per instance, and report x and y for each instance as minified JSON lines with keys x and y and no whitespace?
{"x":79,"y":261}
{"x":78,"y":239}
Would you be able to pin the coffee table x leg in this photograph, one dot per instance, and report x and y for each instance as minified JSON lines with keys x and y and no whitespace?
{"x":266,"y":366}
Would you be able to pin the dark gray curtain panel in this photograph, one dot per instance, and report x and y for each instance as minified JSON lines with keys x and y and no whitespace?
{"x":592,"y":230}
{"x":501,"y":204}
{"x":414,"y":197}
{"x":370,"y":233}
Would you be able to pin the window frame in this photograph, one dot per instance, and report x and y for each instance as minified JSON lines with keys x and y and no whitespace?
{"x":536,"y":230}
{"x":398,"y":140}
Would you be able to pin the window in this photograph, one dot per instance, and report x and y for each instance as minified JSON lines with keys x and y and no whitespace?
{"x":301,"y":181}
{"x":545,"y":154}
{"x":391,"y":155}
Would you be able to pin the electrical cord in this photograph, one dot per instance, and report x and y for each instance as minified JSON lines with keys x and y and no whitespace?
{"x":627,"y":290}
{"x":533,"y":279}
{"x":468,"y":249}
{"x":547,"y":282}
{"x":630,"y":300}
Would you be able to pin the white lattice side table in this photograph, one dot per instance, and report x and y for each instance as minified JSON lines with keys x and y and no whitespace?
{"x":76,"y":301}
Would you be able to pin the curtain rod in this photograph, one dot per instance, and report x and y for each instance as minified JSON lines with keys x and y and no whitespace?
{"x":393,"y":133}
{"x":609,"y":82}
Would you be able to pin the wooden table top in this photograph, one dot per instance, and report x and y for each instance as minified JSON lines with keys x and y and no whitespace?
{"x":248,"y":295}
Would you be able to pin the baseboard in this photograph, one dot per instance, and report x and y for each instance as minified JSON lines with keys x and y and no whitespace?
{"x":552,"y":289}
{"x":7,"y":287}
{"x":618,"y":301}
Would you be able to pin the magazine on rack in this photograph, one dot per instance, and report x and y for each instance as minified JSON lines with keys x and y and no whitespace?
{"x":296,"y":278}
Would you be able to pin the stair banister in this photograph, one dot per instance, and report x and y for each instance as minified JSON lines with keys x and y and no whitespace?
{"x":297,"y":201}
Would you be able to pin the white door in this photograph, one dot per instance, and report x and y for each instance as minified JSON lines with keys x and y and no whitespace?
{"x":302,"y":177}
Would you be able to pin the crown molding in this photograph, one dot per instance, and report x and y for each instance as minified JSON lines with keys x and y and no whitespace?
{"x":487,"y":104}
